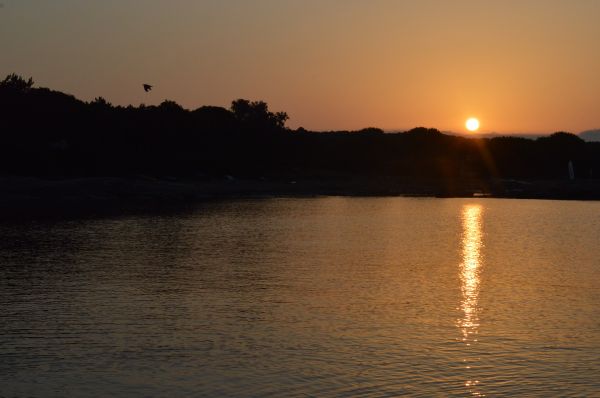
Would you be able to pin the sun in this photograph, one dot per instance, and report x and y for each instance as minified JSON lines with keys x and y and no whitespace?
{"x":472,"y":124}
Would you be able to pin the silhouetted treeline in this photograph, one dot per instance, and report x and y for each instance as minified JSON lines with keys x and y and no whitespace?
{"x":49,"y":133}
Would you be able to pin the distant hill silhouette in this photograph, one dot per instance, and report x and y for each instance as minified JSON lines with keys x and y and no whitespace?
{"x":531,"y":136}
{"x":590,"y":135}
{"x":50,"y":133}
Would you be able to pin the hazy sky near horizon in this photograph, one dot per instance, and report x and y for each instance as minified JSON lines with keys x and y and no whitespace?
{"x":519,"y":66}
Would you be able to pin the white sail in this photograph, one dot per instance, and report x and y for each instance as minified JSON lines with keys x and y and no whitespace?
{"x":571,"y":170}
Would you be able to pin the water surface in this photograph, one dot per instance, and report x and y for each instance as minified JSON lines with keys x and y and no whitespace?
{"x":332,"y":296}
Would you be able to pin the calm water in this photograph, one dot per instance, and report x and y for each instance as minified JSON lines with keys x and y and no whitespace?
{"x":319,"y":297}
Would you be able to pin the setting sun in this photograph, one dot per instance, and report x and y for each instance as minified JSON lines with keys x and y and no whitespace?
{"x":472,"y":124}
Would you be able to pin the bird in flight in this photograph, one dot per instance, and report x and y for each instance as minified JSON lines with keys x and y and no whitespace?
{"x":147,"y":87}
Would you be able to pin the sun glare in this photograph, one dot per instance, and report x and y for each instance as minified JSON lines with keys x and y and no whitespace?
{"x":472,"y":124}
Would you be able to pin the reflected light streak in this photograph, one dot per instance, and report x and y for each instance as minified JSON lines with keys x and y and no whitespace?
{"x":470,"y":269}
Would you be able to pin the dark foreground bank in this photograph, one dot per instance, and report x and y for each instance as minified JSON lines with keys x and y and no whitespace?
{"x":28,"y":196}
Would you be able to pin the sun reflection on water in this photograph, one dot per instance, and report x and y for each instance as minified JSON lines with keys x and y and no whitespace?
{"x":470,"y":268}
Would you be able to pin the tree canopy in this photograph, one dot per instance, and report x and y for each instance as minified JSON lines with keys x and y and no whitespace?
{"x":46,"y":132}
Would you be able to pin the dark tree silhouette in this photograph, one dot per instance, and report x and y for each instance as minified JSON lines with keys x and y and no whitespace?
{"x":16,"y":83}
{"x":49,"y":133}
{"x":256,"y":115}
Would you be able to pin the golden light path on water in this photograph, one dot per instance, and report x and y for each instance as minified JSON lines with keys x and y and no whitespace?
{"x":470,"y":268}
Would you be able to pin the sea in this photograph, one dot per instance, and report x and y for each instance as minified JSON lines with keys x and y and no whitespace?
{"x":306,"y":297}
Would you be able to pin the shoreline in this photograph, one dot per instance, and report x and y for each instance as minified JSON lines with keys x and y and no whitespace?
{"x":33,"y":196}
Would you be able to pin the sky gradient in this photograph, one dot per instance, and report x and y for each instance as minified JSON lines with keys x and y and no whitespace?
{"x":519,"y":66}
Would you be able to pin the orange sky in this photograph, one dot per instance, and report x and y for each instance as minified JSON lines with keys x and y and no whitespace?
{"x":519,"y":66}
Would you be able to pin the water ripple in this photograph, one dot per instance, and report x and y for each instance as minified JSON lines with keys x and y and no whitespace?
{"x":322,"y":297}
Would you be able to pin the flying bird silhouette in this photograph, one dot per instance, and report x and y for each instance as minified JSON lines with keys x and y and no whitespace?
{"x":147,"y":87}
